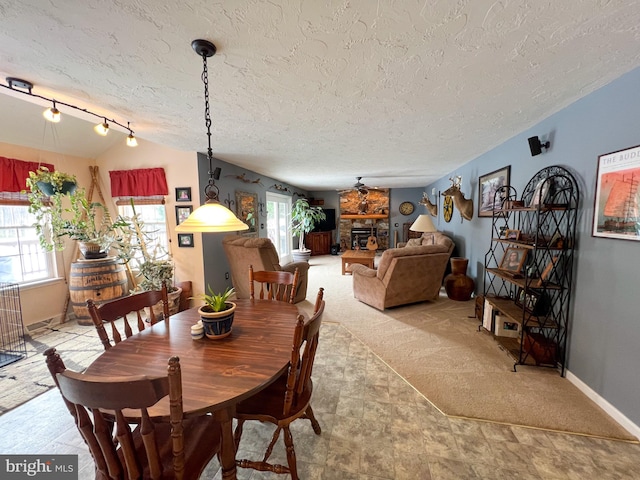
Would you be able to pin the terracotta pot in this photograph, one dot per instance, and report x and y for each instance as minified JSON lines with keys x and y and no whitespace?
{"x":458,"y":285}
{"x":217,"y":324}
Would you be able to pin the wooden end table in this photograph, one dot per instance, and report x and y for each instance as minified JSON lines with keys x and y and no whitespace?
{"x":363,"y":257}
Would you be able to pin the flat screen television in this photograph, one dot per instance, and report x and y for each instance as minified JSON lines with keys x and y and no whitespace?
{"x":328,"y":224}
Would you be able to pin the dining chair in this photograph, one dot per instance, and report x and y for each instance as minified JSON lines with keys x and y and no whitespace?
{"x":130,"y":444}
{"x":275,"y":285}
{"x":285,"y":400}
{"x":130,"y":310}
{"x":319,"y":298}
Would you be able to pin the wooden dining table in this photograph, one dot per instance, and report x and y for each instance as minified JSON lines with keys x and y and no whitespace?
{"x":216,"y":374}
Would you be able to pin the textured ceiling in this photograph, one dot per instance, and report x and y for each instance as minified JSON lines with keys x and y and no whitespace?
{"x":315,"y":93}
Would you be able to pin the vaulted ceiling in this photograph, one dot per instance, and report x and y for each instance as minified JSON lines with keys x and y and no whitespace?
{"x":315,"y":93}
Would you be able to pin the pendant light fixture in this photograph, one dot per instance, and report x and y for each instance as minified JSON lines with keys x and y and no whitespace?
{"x":211,"y":216}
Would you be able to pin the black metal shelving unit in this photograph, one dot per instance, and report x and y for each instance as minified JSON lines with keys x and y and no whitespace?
{"x":537,"y":298}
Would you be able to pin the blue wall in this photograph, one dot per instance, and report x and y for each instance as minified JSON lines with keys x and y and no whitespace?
{"x":604,"y":342}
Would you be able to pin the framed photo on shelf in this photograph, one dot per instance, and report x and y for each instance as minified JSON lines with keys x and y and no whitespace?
{"x":182,"y":212}
{"x":183,"y":194}
{"x":546,"y":272}
{"x":535,"y":303}
{"x":513,"y":259}
{"x":488,"y":185}
{"x":185,"y":239}
{"x":512,"y":234}
{"x":617,"y":195}
{"x":540,"y":192}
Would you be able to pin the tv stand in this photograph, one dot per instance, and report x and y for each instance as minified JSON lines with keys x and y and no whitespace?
{"x":318,"y":242}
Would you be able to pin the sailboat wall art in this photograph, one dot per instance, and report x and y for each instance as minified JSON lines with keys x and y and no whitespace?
{"x":616,"y":212}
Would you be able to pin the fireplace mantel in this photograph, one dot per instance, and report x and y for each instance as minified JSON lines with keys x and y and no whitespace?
{"x":348,"y":216}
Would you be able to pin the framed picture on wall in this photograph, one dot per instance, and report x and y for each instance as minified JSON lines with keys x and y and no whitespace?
{"x":185,"y":239}
{"x":617,"y":195}
{"x":182,"y":212}
{"x":488,"y":185}
{"x":183,"y":194}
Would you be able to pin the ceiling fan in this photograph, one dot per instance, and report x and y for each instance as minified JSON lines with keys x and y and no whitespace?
{"x":359,"y":187}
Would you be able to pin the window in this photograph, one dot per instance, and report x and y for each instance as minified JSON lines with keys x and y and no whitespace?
{"x":22,"y":259}
{"x":153,"y":213}
{"x":279,"y":224}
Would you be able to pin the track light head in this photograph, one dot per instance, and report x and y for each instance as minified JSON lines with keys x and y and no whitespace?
{"x":52,"y":114}
{"x":102,"y":128}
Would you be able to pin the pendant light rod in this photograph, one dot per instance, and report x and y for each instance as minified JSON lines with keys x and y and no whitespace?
{"x":211,"y":216}
{"x":26,"y":87}
{"x":206,"y":49}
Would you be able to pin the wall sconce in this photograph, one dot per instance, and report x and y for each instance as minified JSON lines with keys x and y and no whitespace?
{"x":535,"y":145}
{"x":261,"y":209}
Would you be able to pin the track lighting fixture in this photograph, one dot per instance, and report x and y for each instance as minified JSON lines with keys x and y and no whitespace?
{"x":536,"y":146}
{"x":53,"y":114}
{"x":211,"y":216}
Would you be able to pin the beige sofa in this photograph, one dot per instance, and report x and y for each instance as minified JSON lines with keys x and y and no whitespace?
{"x":405,"y":274}
{"x":259,"y":252}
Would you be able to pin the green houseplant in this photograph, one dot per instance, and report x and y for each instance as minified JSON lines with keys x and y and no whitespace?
{"x":217,"y":313}
{"x":66,"y":212}
{"x":136,"y":246}
{"x":304,"y":218}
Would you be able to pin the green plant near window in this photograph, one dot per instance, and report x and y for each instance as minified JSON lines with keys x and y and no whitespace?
{"x":304,"y":218}
{"x":135,"y":245}
{"x":66,"y":212}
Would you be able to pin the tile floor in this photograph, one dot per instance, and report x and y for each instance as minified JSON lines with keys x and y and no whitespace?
{"x":375,"y":426}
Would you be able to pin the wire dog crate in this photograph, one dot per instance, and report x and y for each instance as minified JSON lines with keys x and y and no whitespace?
{"x":12,"y":345}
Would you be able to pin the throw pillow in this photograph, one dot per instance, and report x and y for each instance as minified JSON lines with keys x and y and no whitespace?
{"x":414,"y":242}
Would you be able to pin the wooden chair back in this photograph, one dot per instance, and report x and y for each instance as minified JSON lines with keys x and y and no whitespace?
{"x":130,"y":310}
{"x":274,"y":285}
{"x":130,"y":444}
{"x":319,"y":297}
{"x":303,"y":354}
{"x":288,"y":399}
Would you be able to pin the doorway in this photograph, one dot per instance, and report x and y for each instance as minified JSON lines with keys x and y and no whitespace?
{"x":279,"y":225}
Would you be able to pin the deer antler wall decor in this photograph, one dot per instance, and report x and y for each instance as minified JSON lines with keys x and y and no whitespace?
{"x":464,"y":206}
{"x":432,"y":208}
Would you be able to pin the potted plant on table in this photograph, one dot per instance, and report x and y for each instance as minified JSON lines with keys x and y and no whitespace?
{"x":62,"y":209}
{"x":304,"y":218}
{"x":217,"y":313}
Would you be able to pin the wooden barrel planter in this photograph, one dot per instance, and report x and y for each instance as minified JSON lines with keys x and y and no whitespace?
{"x":100,"y":280}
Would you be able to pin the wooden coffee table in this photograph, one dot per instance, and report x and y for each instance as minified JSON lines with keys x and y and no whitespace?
{"x":364,"y":257}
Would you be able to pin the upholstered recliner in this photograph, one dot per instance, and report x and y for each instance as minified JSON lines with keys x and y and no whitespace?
{"x":405,"y":275}
{"x":259,"y":252}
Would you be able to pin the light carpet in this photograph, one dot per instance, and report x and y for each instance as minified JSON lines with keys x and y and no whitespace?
{"x":439,"y":350}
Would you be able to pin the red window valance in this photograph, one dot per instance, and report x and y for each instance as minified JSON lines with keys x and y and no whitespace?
{"x":14,"y":173}
{"x":143,"y":182}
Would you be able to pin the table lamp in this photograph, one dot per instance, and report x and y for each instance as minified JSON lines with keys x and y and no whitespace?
{"x":423,"y":224}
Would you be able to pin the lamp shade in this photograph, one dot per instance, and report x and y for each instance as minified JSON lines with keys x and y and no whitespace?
{"x":423,"y":224}
{"x":211,"y":217}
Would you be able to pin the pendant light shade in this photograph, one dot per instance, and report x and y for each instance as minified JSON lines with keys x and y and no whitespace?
{"x":212,"y":216}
